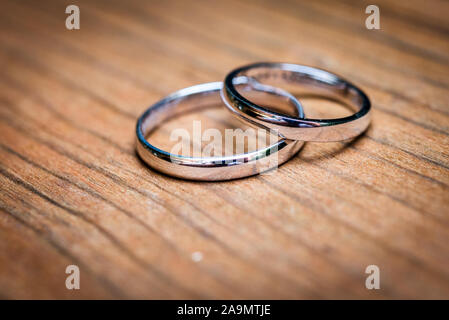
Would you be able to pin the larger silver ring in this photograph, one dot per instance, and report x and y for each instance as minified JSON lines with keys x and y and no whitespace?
{"x":206,"y":168}
{"x":316,"y":81}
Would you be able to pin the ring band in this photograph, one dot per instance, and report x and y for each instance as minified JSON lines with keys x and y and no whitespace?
{"x":296,"y":128}
{"x":206,"y":168}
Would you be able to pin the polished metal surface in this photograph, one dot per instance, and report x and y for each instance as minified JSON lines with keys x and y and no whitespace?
{"x":209,"y":168}
{"x":315,"y":81}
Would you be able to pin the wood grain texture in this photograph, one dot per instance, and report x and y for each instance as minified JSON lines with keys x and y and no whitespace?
{"x":73,"y":190}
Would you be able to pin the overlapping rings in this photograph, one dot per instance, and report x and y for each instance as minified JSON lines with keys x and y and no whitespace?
{"x":293,"y":131}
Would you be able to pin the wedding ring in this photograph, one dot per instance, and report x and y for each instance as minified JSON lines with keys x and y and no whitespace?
{"x":315,"y":81}
{"x":216,"y":167}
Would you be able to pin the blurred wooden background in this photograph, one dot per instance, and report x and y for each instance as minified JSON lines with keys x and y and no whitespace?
{"x":74,"y":192}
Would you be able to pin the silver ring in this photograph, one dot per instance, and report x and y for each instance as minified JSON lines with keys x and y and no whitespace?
{"x":208,"y":168}
{"x":296,"y":128}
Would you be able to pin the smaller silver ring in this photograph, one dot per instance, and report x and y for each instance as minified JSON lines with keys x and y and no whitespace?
{"x":298,"y":128}
{"x":207,"y":168}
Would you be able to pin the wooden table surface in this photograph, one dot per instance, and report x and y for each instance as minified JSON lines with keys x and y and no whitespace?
{"x":73,"y":190}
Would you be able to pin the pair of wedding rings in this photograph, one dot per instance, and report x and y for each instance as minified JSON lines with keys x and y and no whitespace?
{"x":292,"y":131}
